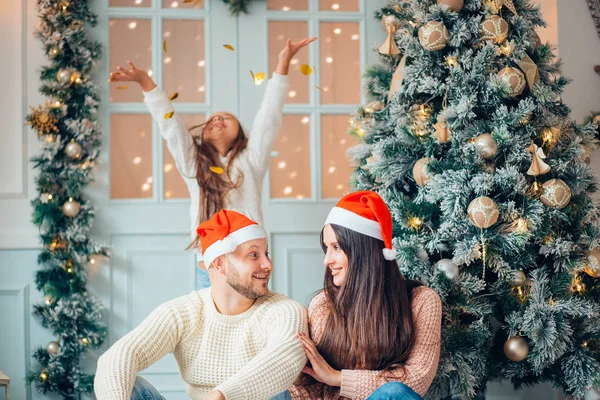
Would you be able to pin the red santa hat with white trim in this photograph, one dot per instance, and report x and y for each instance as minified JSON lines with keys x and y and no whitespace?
{"x":365,"y":212}
{"x":224,"y":232}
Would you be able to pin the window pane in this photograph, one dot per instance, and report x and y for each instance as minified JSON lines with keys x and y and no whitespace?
{"x":183,"y":62}
{"x":130,"y":156}
{"x":338,"y":5}
{"x":279,"y":32}
{"x":335,"y":165}
{"x":129,"y":40}
{"x":290,"y":164}
{"x":175,"y":187}
{"x":287,"y":5}
{"x":180,"y":4}
{"x":340,"y":63}
{"x":130,"y":3}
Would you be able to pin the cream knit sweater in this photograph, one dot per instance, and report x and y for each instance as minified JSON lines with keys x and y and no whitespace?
{"x":254,"y":355}
{"x":253,"y":162}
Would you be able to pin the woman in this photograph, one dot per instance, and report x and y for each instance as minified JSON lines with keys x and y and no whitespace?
{"x":224,"y":169}
{"x":374,"y":334}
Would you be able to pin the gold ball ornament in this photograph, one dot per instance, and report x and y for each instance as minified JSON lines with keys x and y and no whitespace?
{"x":420,"y":173}
{"x":516,"y":348}
{"x":442,"y":131}
{"x":453,"y":5}
{"x":53,"y":348}
{"x":71,"y":208}
{"x":486,"y":146}
{"x":517,"y":278}
{"x":64,"y":76}
{"x":555,"y":194}
{"x":513,"y":78}
{"x":592,"y":267}
{"x":494,"y":29}
{"x":448,"y":267}
{"x":433,"y":36}
{"x":483,"y":212}
{"x":73,"y":150}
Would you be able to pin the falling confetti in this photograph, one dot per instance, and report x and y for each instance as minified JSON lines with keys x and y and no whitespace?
{"x":174,"y":96}
{"x":169,"y":114}
{"x":229,"y":47}
{"x":306,"y":69}
{"x":258,"y":78}
{"x":321,"y":89}
{"x":121,"y":87}
{"x":217,"y":170}
{"x":165,"y":45}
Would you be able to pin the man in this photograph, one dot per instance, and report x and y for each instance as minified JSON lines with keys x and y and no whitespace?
{"x":233,"y":340}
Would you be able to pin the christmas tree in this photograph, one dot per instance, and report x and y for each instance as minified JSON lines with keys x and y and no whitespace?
{"x":487,"y":178}
{"x":70,"y":138}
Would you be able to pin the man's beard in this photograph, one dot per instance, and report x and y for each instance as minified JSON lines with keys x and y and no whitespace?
{"x":234,"y":280}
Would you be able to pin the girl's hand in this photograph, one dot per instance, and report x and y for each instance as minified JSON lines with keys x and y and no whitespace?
{"x":319,"y":369}
{"x":288,"y":52}
{"x":133,"y":75}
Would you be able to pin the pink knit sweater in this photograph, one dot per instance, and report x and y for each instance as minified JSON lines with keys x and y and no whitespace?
{"x":420,"y":368}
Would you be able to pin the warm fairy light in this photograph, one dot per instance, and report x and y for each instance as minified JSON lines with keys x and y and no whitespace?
{"x":285,"y":8}
{"x":168,"y":167}
{"x":137,"y":160}
{"x":167,"y":60}
{"x":201,"y":89}
{"x":577,"y":285}
{"x":44,"y":375}
{"x":452,"y":61}
{"x":355,"y":36}
{"x":287,"y":190}
{"x":525,"y":120}
{"x":329,"y":60}
{"x":547,"y":135}
{"x":49,"y":138}
{"x":339,"y":187}
{"x":292,"y":93}
{"x":360,"y":132}
{"x":305,"y":120}
{"x":168,"y":194}
{"x":138,"y":2}
{"x":506,"y":49}
{"x":293,"y":175}
{"x":415,"y":222}
{"x":335,"y":6}
{"x":300,"y":197}
{"x":521,"y":225}
{"x":174,"y":4}
{"x":69,"y":270}
{"x":150,"y":73}
{"x":145,"y":187}
{"x":132,"y":25}
{"x":48,"y":300}
{"x":201,"y":63}
{"x":149,"y":179}
{"x":412,"y":23}
{"x":85,"y":341}
{"x":331,"y":170}
{"x":281,"y":165}
{"x":585,"y":344}
{"x":294,"y":61}
{"x":49,"y":197}
{"x":337,"y":31}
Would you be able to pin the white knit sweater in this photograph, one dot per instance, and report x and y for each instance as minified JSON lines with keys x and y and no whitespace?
{"x":254,"y":355}
{"x":254,"y":161}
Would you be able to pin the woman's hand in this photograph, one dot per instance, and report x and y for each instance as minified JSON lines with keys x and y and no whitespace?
{"x":133,"y":75}
{"x":319,"y":369}
{"x":288,"y":52}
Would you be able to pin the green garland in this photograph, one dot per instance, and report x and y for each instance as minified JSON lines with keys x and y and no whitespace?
{"x":70,"y":137}
{"x":237,"y":6}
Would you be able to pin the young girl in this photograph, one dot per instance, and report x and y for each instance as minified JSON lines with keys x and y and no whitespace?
{"x":223,"y":144}
{"x":374,"y":334}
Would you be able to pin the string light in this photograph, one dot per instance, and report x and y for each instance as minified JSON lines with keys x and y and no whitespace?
{"x":85,"y":341}
{"x":48,"y":300}
{"x":44,"y":375}
{"x":415,"y":222}
{"x":506,"y":49}
{"x":452,"y":61}
{"x":577,"y":285}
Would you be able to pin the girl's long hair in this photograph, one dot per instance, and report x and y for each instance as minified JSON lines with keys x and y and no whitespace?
{"x":215,"y":187}
{"x":369,"y":317}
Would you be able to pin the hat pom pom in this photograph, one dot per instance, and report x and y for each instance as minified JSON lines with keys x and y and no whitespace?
{"x":389,"y":254}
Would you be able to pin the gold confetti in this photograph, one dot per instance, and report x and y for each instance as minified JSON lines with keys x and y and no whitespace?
{"x":306,"y":69}
{"x":121,"y":87}
{"x":217,"y":170}
{"x":174,"y":96}
{"x":252,"y":73}
{"x":321,"y":89}
{"x":229,"y":47}
{"x":169,"y":115}
{"x":259,"y":78}
{"x":165,"y":45}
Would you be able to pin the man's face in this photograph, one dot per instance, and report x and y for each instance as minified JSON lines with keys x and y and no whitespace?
{"x":248,"y":268}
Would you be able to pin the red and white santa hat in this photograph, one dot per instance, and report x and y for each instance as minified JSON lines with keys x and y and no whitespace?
{"x":224,"y":232}
{"x":365,"y":212}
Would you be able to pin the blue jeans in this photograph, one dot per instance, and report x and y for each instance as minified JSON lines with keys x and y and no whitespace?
{"x":394,"y":391}
{"x":143,"y":390}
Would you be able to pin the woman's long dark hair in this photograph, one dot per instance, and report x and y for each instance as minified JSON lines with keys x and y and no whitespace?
{"x":215,"y":187}
{"x":370,"y":323}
